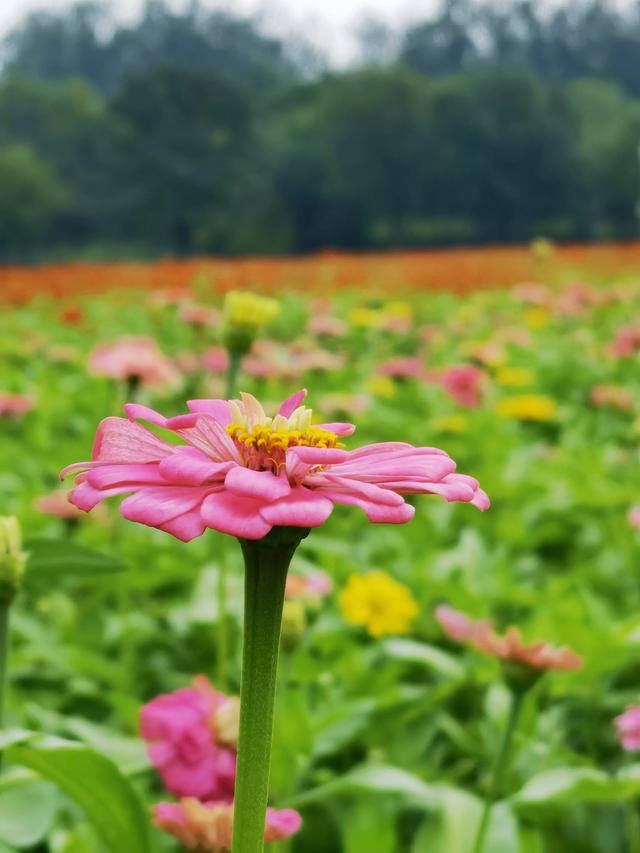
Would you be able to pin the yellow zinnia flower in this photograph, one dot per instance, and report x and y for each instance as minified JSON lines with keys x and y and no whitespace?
{"x":380,"y":386}
{"x":528,"y":407}
{"x":451,"y":423}
{"x":379,"y":603}
{"x":514,"y":377}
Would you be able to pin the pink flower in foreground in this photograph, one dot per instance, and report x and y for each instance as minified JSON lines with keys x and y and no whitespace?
{"x":14,"y":405}
{"x":462,"y":383}
{"x":191,"y":740}
{"x":628,"y":726}
{"x":314,"y":585}
{"x":634,"y":516}
{"x":208,"y":827}
{"x":242,"y":473}
{"x":133,"y":358}
{"x":509,"y":647}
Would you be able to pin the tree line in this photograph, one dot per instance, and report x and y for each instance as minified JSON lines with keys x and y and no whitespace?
{"x":196,"y":132}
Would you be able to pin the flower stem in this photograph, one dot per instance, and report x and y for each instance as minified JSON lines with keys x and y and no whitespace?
{"x":4,"y":653}
{"x":232,"y":374}
{"x":266,"y":564}
{"x":499,"y":768}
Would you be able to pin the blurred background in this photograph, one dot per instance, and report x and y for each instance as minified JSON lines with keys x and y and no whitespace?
{"x":138,"y":129}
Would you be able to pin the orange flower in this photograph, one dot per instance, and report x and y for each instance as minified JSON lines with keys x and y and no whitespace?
{"x":510,"y":647}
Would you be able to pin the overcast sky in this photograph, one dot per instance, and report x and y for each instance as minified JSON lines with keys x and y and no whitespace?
{"x":328,"y":22}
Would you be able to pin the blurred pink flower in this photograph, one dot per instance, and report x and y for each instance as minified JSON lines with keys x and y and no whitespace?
{"x":199,"y":315}
{"x":14,"y":405}
{"x":208,"y":827}
{"x":611,"y":395}
{"x":531,"y":293}
{"x":133,"y":358}
{"x":314,"y":585}
{"x":327,"y":326}
{"x":634,"y":516}
{"x":242,"y":473}
{"x":462,"y":383}
{"x":181,"y":732}
{"x":626,"y":341}
{"x":216,"y":359}
{"x":628,"y":726}
{"x":510,"y":647}
{"x":57,"y":503}
{"x":401,"y":368}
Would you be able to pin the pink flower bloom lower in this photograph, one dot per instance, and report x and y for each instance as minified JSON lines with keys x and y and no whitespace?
{"x":510,"y":647}
{"x":208,"y":827}
{"x":189,"y":741}
{"x":314,"y":585}
{"x":634,"y":516}
{"x":14,"y":405}
{"x":628,"y":727}
{"x":134,"y":358}
{"x":243,"y":473}
{"x":463,"y":383}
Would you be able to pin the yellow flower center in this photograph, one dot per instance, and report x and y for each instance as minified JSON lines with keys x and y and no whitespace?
{"x":263,"y":447}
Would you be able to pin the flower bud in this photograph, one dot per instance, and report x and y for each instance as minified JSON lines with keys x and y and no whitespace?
{"x":244,"y":315}
{"x":12,"y":557}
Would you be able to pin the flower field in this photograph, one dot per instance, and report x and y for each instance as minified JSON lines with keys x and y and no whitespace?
{"x":453,"y":678}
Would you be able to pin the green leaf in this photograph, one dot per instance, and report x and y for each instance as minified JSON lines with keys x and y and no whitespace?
{"x":451,"y":829}
{"x":27,"y":811}
{"x":373,"y":778}
{"x":421,"y":653}
{"x":95,"y":784}
{"x":55,"y":558}
{"x":555,"y":789}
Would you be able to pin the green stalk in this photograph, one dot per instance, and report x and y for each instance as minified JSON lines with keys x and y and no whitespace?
{"x":232,"y":373}
{"x":4,"y":654}
{"x":266,"y":564}
{"x":499,"y":768}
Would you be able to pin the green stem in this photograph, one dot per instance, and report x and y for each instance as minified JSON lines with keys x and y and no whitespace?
{"x":499,"y":768}
{"x":266,"y":565}
{"x":232,"y":374}
{"x":4,"y":654}
{"x":222,"y":626}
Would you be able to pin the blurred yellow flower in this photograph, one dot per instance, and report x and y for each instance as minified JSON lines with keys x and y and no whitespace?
{"x":528,"y":407}
{"x":379,"y":603}
{"x":366,"y":318}
{"x":397,"y":308}
{"x":515,"y":377}
{"x":541,"y":248}
{"x":536,"y":318}
{"x":380,"y":386}
{"x":241,"y":307}
{"x":451,"y":423}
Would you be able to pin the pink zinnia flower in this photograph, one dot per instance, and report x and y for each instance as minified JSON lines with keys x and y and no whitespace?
{"x":199,"y":315}
{"x":462,"y":383}
{"x":611,"y":395}
{"x":634,"y":516}
{"x":190,"y":741}
{"x":400,"y":368}
{"x":14,"y":405}
{"x":326,"y":325}
{"x":314,"y":585}
{"x":133,"y":358}
{"x":509,"y":647}
{"x":57,"y":503}
{"x":216,"y":359}
{"x":626,"y":342}
{"x":208,"y":827}
{"x":242,"y":473}
{"x":628,"y":726}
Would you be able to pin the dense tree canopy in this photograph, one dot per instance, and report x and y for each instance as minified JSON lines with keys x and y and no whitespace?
{"x":194,"y":132}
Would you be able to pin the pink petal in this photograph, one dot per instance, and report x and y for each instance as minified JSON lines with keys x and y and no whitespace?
{"x":369,"y":492}
{"x":185,"y":527}
{"x":85,"y":497}
{"x":158,"y":505}
{"x":291,"y":403}
{"x":301,"y":508}
{"x":377,"y":513}
{"x":135,"y":411}
{"x":131,"y":475}
{"x":219,"y":409}
{"x":212,"y":439}
{"x":119,"y":440}
{"x":338,"y":428}
{"x":261,"y":485}
{"x":234,"y":515}
{"x":188,"y":466}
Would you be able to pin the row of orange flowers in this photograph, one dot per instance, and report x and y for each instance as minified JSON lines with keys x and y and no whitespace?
{"x":460,"y":270}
